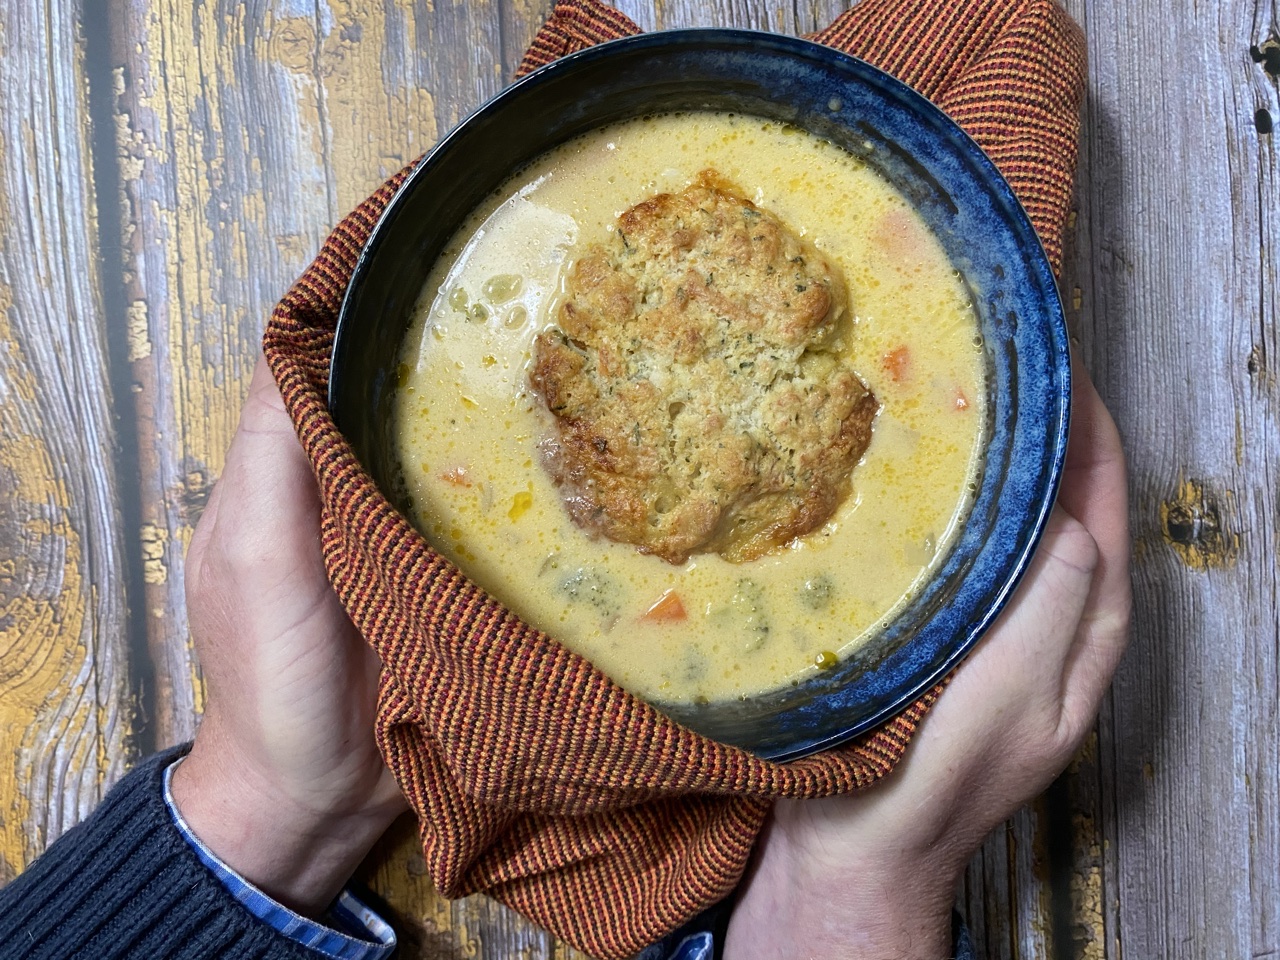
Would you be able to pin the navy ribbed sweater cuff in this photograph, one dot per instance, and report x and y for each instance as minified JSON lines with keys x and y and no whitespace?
{"x":125,"y":885}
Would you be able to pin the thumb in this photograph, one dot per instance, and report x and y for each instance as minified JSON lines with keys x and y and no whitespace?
{"x":267,"y":474}
{"x":263,"y":522}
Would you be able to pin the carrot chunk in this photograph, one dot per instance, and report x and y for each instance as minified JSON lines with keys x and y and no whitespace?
{"x":897,"y":363}
{"x":456,"y":476}
{"x":962,"y":402}
{"x":668,"y":608}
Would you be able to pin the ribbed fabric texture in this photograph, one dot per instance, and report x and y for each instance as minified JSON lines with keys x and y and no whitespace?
{"x":534,"y":777}
{"x":125,"y":885}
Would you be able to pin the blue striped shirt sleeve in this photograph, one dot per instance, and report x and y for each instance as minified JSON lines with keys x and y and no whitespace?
{"x":364,"y":934}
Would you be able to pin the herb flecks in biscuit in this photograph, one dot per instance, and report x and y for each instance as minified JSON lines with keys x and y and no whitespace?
{"x":699,"y":384}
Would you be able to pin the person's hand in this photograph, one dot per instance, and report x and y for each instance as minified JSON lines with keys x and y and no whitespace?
{"x":284,"y":781}
{"x":873,"y":874}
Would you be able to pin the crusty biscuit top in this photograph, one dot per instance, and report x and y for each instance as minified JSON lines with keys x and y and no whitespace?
{"x":701,"y":393}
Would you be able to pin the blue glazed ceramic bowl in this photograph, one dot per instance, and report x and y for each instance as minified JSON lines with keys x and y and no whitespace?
{"x":953,"y":185}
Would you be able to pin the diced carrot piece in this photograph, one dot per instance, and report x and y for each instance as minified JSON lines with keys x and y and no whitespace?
{"x":456,"y":476}
{"x":668,"y":608}
{"x":897,"y":363}
{"x":962,"y":402}
{"x":899,"y":238}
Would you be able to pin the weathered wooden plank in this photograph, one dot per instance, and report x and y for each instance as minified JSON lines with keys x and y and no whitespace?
{"x":65,"y":712}
{"x":1176,"y":279}
{"x":790,"y":18}
{"x":188,"y":193}
{"x":1259,"y":94}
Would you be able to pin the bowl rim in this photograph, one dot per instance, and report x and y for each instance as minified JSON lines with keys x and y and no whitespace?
{"x":1037,"y":266}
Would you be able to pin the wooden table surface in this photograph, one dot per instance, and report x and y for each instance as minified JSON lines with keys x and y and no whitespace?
{"x":169,"y":167}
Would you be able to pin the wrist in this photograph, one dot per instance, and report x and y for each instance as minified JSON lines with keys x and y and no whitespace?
{"x":806,"y":897}
{"x":297,"y":852}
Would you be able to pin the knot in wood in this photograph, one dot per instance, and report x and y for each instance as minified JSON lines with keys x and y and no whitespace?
{"x":1267,"y":55}
{"x":1191,"y":522}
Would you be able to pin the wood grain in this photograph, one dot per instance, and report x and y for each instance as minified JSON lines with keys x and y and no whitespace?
{"x":1175,"y":269}
{"x":65,"y":710}
{"x":157,"y":196}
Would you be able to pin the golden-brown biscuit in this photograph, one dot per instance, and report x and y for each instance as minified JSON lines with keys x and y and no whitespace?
{"x":697,"y":376}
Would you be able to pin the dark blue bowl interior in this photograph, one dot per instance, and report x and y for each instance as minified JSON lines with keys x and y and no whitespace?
{"x":953,"y":185}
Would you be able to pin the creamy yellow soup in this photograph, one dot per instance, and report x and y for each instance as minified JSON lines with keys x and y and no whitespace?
{"x":468,"y":423}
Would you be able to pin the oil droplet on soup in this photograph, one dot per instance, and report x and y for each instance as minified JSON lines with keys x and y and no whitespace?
{"x":709,"y":629}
